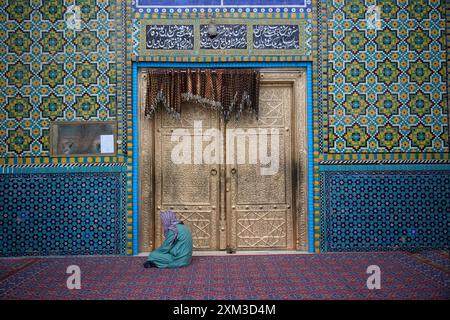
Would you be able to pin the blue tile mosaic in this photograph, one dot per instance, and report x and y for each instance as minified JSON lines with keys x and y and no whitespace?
{"x":62,"y":214}
{"x":387,"y":79}
{"x":50,"y":71}
{"x":383,"y":210}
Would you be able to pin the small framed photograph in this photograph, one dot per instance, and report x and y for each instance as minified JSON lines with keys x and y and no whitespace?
{"x":70,"y":139}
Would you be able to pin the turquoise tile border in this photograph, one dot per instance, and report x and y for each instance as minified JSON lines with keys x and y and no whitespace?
{"x":18,"y":169}
{"x":384,"y":167}
{"x":135,"y":179}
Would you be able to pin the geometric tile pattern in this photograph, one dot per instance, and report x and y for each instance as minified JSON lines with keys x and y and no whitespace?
{"x":51,"y":72}
{"x":62,"y":214}
{"x":384,"y":210}
{"x":387,"y":86}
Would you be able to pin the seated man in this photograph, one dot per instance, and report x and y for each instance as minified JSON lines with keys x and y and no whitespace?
{"x":176,"y":250}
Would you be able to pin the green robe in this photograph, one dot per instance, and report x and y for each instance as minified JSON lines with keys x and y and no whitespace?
{"x":174,"y":255}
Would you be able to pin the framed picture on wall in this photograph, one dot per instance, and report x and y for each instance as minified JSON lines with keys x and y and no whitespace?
{"x":83,"y":138}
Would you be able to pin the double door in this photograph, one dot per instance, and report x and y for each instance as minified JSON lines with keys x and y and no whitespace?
{"x":230,"y":182}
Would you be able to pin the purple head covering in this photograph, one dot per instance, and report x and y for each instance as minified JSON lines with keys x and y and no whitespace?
{"x":169,"y":222}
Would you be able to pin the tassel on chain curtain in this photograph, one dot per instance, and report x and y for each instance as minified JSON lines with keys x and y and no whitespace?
{"x":231,"y":91}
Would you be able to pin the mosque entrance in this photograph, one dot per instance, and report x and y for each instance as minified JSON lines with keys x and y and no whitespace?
{"x":239,"y":184}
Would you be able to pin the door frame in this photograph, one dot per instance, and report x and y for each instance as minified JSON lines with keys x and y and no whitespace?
{"x":141,"y":164}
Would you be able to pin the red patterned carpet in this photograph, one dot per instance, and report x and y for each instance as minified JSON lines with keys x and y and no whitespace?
{"x":316,"y":276}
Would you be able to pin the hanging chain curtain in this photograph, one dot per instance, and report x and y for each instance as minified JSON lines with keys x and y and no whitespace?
{"x":231,"y":91}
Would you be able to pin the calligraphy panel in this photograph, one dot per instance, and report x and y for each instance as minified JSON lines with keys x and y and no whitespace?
{"x":164,"y":39}
{"x":229,"y":36}
{"x":169,"y":37}
{"x":276,"y":36}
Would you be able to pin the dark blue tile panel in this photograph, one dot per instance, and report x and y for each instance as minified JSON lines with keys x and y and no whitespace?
{"x":62,"y":214}
{"x":384,"y":210}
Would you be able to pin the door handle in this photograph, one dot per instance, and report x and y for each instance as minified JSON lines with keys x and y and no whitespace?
{"x":233,"y":171}
{"x":213,"y":172}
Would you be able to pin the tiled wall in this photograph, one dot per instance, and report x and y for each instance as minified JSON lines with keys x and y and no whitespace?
{"x":59,"y":214}
{"x":51,"y":72}
{"x":384,"y":210}
{"x":388,"y":85}
{"x":378,"y":96}
{"x":383,"y":182}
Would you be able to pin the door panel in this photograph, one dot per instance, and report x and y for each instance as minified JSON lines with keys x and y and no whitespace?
{"x":259,"y":210}
{"x":232,"y":204}
{"x":190,"y":189}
